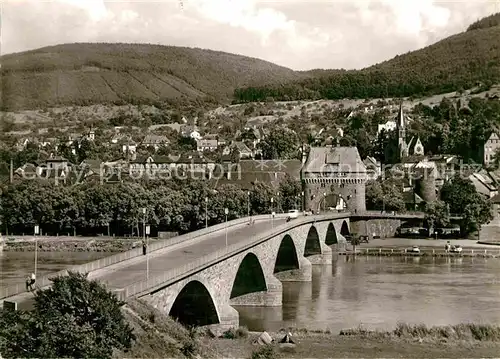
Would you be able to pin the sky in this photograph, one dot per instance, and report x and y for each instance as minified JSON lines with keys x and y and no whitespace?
{"x":299,"y":34}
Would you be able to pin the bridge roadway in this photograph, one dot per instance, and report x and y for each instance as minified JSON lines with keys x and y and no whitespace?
{"x":123,"y":274}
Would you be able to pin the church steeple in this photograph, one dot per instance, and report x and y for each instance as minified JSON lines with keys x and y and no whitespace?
{"x":401,"y":128}
{"x":401,"y":116}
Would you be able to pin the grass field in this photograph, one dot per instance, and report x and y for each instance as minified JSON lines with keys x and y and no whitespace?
{"x":161,"y":337}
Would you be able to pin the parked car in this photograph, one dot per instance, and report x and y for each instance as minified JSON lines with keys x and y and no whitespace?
{"x":292,"y":214}
{"x":414,"y":249}
{"x":308,"y":213}
{"x":456,"y":249}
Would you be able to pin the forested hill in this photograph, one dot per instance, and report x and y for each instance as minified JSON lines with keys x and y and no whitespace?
{"x":458,"y":62}
{"x":486,"y":22}
{"x":84,"y":74}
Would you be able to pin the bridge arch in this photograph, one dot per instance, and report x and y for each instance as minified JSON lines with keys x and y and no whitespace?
{"x":331,"y":235}
{"x":344,"y":229}
{"x":313,"y":244}
{"x":286,"y":258}
{"x":249,"y":277}
{"x":194,"y":306}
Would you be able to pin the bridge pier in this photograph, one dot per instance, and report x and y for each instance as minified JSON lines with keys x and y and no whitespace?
{"x":301,"y":274}
{"x":324,"y":258}
{"x":272,"y":297}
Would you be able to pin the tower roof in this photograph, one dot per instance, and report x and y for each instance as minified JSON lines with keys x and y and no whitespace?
{"x":345,"y":158}
{"x":400,"y":120}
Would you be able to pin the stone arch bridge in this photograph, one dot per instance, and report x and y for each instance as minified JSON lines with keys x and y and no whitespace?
{"x":251,"y":276}
{"x":198,"y":277}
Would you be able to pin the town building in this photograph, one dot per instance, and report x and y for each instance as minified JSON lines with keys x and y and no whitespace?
{"x":334,"y":178}
{"x":194,"y":165}
{"x":489,"y":149}
{"x":373,"y":167}
{"x":155,"y":141}
{"x":207,"y":145}
{"x":248,"y":173}
{"x":190,"y":131}
{"x":241,"y":148}
{"x":389,"y":126}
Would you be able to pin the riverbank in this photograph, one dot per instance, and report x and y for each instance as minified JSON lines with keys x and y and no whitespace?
{"x":70,"y":244}
{"x":158,"y":336}
{"x":423,"y":252}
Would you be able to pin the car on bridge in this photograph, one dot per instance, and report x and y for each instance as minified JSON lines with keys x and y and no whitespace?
{"x":292,"y":214}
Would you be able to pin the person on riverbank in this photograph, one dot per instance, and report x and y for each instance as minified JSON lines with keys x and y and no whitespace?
{"x":30,"y":282}
{"x":447,"y":247}
{"x":144,"y":248}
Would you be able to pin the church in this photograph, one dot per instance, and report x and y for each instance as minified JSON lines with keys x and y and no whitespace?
{"x":406,"y":149}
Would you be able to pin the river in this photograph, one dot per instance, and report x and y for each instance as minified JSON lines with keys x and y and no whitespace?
{"x":376,"y":292}
{"x":16,"y":266}
{"x":379,"y":292}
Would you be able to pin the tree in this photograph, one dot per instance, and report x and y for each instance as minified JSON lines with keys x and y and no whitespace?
{"x":85,"y":149}
{"x":496,"y":159}
{"x":477,"y":213}
{"x":281,"y":143}
{"x":384,"y":195}
{"x":289,"y":189}
{"x":75,"y":318}
{"x":260,"y":198}
{"x":461,"y":196}
{"x":234,"y":155}
{"x":437,"y":215}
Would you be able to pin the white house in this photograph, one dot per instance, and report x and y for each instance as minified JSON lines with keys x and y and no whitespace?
{"x":387,"y":127}
{"x":206,"y":145}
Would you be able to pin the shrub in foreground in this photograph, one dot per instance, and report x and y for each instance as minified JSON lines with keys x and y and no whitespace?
{"x":481,"y":332}
{"x":265,"y":352}
{"x":241,"y":332}
{"x":74,"y":318}
{"x":466,"y":331}
{"x":158,"y":335}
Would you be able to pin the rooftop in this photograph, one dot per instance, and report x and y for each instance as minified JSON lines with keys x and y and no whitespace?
{"x":340,"y":158}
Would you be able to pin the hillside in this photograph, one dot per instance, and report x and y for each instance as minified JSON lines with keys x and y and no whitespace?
{"x":486,"y":22}
{"x":84,"y":74}
{"x":457,"y":62}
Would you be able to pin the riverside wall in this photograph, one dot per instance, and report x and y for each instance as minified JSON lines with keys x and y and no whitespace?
{"x":72,"y":244}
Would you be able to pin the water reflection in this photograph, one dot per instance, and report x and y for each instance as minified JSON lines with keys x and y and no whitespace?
{"x":379,"y":292}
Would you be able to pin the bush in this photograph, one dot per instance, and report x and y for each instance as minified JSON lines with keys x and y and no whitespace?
{"x":241,"y":332}
{"x":265,"y":352}
{"x":74,"y":318}
{"x":189,"y":348}
{"x":480,"y":332}
{"x":468,"y":331}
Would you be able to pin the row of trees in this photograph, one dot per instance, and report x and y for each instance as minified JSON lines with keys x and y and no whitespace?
{"x":174,"y":205}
